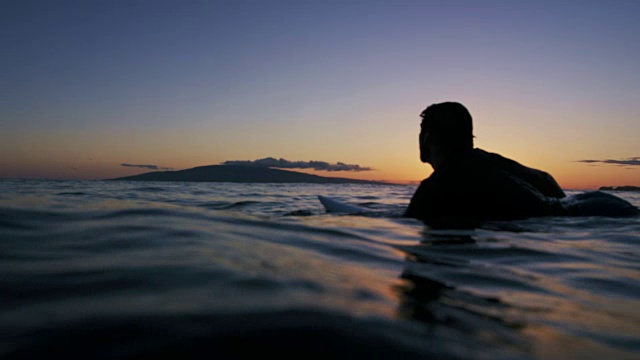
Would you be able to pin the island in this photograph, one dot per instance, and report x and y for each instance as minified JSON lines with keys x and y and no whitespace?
{"x":620,"y":188}
{"x":242,"y":174}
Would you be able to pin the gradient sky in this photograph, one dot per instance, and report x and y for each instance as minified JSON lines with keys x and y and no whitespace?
{"x":86,"y":86}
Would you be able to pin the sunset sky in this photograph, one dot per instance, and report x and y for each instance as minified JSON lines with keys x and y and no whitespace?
{"x":90,"y":86}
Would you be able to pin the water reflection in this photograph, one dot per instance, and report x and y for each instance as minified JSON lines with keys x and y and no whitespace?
{"x":425,"y":296}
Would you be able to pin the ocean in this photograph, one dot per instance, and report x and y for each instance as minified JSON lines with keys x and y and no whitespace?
{"x":110,"y":269}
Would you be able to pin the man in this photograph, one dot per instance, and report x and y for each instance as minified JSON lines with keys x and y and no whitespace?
{"x":470,"y":185}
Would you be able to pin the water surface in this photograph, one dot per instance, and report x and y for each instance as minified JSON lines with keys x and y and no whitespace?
{"x":140,"y":269}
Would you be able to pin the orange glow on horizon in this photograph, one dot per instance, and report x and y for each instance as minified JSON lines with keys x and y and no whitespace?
{"x":572,"y":176}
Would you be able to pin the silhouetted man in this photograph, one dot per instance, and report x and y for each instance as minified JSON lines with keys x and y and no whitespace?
{"x":470,"y":185}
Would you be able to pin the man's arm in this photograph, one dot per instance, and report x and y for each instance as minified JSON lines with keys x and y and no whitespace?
{"x":540,"y":180}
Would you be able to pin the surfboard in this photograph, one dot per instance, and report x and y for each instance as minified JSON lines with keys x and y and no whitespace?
{"x":335,"y":206}
{"x":598,"y":203}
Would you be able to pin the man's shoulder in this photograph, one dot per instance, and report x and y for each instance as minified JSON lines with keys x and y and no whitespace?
{"x":504,"y":163}
{"x":495,"y":158}
{"x":539,"y":179}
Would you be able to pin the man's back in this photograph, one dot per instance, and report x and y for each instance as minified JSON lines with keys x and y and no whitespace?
{"x":484,"y":186}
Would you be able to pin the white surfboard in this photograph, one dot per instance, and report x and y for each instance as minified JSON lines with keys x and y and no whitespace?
{"x":334,"y":206}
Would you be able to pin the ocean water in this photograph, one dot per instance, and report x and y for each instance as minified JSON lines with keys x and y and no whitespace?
{"x":101,"y":269}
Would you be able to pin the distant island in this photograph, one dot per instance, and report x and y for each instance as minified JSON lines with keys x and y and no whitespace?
{"x":621,"y":188}
{"x":242,"y":174}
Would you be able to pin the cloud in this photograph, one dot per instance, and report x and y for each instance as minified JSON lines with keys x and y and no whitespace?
{"x":634,"y":161}
{"x":286,"y":164}
{"x":150,"y":167}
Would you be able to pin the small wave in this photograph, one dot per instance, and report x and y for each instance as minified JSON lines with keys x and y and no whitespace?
{"x":116,"y":214}
{"x":367,"y":197}
{"x":611,"y":287}
{"x":215,"y":205}
{"x":299,"y":213}
{"x":371,"y":204}
{"x":13,"y":218}
{"x":241,"y":204}
{"x":151,"y":189}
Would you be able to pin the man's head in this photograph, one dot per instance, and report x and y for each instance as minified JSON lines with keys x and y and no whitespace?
{"x":446,"y":128}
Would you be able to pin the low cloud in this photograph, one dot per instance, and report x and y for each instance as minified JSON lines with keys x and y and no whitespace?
{"x":286,"y":164}
{"x":634,"y":161}
{"x":150,"y":167}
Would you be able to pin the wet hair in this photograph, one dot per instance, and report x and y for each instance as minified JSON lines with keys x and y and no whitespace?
{"x":450,"y":124}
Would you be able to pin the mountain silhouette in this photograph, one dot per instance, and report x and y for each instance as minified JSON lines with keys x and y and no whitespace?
{"x":244,"y":174}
